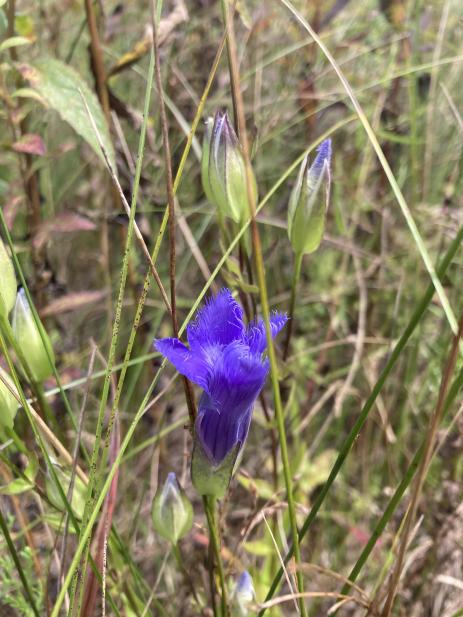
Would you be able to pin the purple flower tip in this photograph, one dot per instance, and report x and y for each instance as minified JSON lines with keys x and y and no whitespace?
{"x":322,"y":159}
{"x":224,"y":357}
{"x":244,"y":582}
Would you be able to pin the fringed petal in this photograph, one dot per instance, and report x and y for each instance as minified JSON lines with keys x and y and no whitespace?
{"x":255,"y":335}
{"x":193,"y":366}
{"x":219,"y":322}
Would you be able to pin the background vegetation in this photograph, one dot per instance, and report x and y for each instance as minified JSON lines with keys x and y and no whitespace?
{"x":371,"y":385}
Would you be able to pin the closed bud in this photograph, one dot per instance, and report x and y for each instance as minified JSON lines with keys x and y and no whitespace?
{"x":243,"y":595}
{"x":172,"y":512}
{"x":307,"y":208}
{"x":76,"y":500}
{"x":27,"y":335}
{"x":7,"y":282}
{"x":8,"y":403}
{"x":223,"y":169}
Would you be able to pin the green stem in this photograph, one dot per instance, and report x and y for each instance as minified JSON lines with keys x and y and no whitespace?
{"x":292,"y":302}
{"x":210,"y":509}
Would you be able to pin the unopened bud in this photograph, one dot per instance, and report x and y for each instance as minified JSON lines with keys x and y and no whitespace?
{"x":27,"y":335}
{"x":8,"y":403}
{"x":172,"y":512}
{"x":223,"y":169}
{"x":243,"y":595}
{"x":7,"y":282}
{"x":307,"y":209}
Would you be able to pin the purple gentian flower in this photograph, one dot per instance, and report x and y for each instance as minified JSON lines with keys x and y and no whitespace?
{"x":226,"y":359}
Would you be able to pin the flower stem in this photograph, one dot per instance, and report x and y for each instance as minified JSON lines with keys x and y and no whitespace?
{"x":292,"y":302}
{"x":210,"y":509}
{"x":259,"y":262}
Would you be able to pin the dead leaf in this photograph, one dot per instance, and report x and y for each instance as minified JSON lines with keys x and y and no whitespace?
{"x":30,"y":143}
{"x":72,"y":302}
{"x":65,"y":222}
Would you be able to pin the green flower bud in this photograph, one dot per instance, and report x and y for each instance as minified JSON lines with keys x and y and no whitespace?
{"x":7,"y":282}
{"x":212,"y":480}
{"x":172,"y":512}
{"x":306,"y":212}
{"x":8,"y":403}
{"x":223,"y":170}
{"x":242,"y":596}
{"x":79,"y":491}
{"x":27,"y":335}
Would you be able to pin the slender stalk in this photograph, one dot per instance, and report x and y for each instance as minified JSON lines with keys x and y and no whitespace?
{"x":189,"y":396}
{"x":186,"y":575}
{"x":292,"y":302}
{"x":210,"y":509}
{"x":259,"y":263}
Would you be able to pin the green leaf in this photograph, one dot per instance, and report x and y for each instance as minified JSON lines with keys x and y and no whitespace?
{"x":259,"y":548}
{"x":21,"y":485}
{"x":63,"y":90}
{"x":14,"y":41}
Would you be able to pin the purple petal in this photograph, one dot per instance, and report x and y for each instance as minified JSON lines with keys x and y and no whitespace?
{"x":225,"y":409}
{"x":220,"y":322}
{"x":193,"y":366}
{"x":220,"y":432}
{"x":255,"y":335}
{"x":322,"y":159}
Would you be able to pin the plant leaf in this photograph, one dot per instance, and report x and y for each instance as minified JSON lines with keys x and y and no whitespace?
{"x":14,"y":41}
{"x":62,"y":89}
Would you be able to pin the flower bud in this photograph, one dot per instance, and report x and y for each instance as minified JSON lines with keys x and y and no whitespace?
{"x":27,"y":335}
{"x":223,"y":170}
{"x":77,"y":500}
{"x":209,"y":479}
{"x":243,"y":595}
{"x":306,"y":212}
{"x":8,"y":403}
{"x":172,"y":512}
{"x":7,"y":282}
